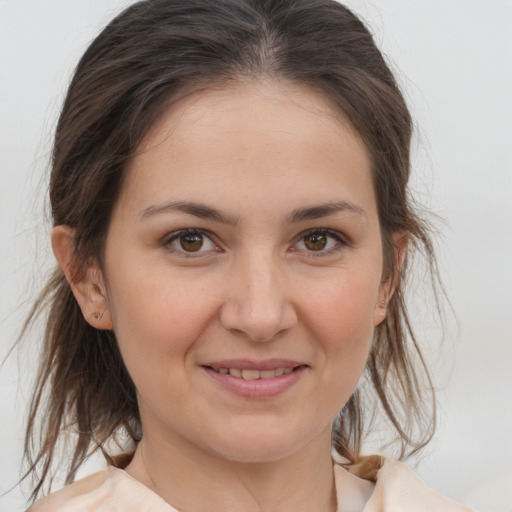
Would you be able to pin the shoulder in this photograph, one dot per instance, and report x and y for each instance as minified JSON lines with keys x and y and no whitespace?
{"x":399,"y":489}
{"x":59,"y":500}
{"x":110,"y":490}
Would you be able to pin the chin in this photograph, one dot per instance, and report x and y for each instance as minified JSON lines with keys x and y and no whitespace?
{"x":263,"y":445}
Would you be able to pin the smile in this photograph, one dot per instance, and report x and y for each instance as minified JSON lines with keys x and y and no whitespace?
{"x":256,"y":380}
{"x":249,"y":374}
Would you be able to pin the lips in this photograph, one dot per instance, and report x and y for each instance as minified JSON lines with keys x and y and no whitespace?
{"x":256,"y":379}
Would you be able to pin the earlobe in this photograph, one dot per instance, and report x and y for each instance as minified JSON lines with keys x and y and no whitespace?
{"x":86,"y":281}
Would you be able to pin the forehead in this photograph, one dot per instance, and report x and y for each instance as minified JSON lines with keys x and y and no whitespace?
{"x":256,"y":136}
{"x":247,"y":107}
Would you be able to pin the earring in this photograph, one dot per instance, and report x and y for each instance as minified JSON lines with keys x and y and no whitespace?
{"x":97,"y":315}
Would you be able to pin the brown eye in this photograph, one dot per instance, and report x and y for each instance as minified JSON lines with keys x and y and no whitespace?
{"x":315,"y":241}
{"x":191,"y":242}
{"x":321,"y":242}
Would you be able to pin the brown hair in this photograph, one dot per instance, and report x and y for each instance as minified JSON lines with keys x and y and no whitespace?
{"x":148,"y":54}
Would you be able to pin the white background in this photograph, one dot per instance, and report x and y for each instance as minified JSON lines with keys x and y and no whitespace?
{"x":455,"y":64}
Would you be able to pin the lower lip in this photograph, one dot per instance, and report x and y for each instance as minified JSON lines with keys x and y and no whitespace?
{"x":257,"y":388}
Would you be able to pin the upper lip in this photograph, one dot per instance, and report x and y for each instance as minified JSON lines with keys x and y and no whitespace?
{"x":248,"y":364}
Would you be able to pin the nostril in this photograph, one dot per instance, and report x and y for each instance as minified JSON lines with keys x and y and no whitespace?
{"x":237,"y":332}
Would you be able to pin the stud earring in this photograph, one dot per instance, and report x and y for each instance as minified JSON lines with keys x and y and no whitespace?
{"x":97,"y":315}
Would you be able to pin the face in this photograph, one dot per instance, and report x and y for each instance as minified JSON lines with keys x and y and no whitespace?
{"x":243,"y":269}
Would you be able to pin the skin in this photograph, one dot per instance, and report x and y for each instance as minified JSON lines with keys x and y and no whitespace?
{"x":258,"y":289}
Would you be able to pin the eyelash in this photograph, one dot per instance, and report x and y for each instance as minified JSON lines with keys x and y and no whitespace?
{"x":340,"y":245}
{"x":176,"y":235}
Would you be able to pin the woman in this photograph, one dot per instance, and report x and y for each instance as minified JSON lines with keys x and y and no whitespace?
{"x":232,"y":227}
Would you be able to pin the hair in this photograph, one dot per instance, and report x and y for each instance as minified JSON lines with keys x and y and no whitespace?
{"x":146,"y":57}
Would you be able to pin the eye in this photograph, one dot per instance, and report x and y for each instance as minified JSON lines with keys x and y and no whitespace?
{"x":322,"y":241}
{"x":189,"y":241}
{"x":315,"y":241}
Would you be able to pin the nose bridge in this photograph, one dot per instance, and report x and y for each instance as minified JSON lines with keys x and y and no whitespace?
{"x":258,"y":303}
{"x":262,"y":287}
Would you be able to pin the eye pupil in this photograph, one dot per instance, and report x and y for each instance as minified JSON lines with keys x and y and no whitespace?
{"x":315,"y":241}
{"x":191,"y":242}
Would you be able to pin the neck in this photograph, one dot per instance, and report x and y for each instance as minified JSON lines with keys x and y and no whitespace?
{"x":194,"y":481}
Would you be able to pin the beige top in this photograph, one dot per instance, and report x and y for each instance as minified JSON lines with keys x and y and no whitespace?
{"x":397,"y":489}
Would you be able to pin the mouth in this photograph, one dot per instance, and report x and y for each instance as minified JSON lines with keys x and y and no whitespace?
{"x":256,"y":379}
{"x":253,"y":374}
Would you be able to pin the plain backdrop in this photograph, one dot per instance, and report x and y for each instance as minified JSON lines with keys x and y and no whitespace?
{"x":454,"y":62}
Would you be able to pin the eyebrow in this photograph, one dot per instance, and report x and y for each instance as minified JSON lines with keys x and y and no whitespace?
{"x":323,"y":210}
{"x":204,"y":211}
{"x":197,"y":209}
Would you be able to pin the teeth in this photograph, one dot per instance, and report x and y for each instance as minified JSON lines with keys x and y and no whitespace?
{"x":254,"y":374}
{"x":250,"y":374}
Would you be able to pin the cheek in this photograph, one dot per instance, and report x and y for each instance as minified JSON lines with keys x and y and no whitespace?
{"x":343,"y":308}
{"x":158,"y":318}
{"x":341,"y":317}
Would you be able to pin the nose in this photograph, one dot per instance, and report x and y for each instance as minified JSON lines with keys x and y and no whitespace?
{"x":258,"y":301}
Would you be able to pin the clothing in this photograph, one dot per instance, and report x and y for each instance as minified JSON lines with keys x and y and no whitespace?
{"x":397,"y":489}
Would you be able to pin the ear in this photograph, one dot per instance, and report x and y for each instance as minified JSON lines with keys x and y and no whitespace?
{"x":87,"y":284}
{"x":387,"y":286}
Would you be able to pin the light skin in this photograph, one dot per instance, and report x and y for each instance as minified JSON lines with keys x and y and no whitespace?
{"x":280,"y":269}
